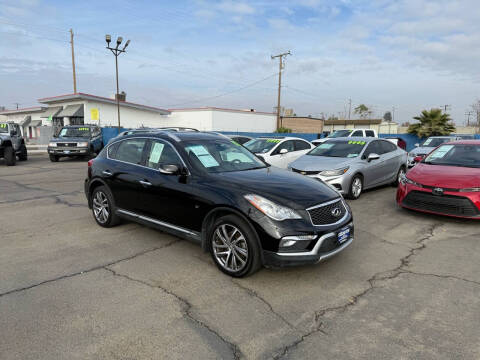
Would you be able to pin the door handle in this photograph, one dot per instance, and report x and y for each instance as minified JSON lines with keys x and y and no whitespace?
{"x":145,"y":183}
{"x":107,"y":173}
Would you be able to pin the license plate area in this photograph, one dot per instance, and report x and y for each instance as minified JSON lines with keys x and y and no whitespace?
{"x":343,"y":235}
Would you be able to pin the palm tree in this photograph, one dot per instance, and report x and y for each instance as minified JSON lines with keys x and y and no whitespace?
{"x":432,"y":123}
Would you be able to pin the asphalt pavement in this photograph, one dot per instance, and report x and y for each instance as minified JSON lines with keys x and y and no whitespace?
{"x":407,"y":288}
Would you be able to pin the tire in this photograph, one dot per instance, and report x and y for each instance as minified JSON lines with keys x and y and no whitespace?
{"x":23,"y":156}
{"x":401,"y":172}
{"x":356,"y":187}
{"x":9,"y":155}
{"x":103,"y":207}
{"x":232,"y":235}
{"x":54,"y":158}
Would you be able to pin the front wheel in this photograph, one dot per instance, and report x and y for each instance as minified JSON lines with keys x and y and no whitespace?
{"x":401,"y":173}
{"x":356,"y":187}
{"x":10,"y":157}
{"x":234,"y":246}
{"x":53,"y":158}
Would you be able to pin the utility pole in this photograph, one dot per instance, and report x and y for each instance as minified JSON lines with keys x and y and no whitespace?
{"x":349,"y":108}
{"x":73,"y":63}
{"x":445,"y":107}
{"x":16,"y":104}
{"x":468,"y":114}
{"x":281,"y":65}
{"x":116,"y":51}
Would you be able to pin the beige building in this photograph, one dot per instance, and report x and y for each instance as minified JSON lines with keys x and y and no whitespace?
{"x":302,"y":124}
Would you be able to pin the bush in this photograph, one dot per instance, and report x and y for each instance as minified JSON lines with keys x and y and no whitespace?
{"x":283,"y":130}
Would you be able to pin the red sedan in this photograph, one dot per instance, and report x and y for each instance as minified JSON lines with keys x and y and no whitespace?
{"x":446,"y":182}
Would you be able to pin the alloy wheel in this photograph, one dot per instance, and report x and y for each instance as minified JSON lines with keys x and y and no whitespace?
{"x":101,"y":209}
{"x":230,"y":247}
{"x":357,"y":187}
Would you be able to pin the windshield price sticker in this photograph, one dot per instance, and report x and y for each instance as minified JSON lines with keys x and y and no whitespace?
{"x":83,"y":129}
{"x":203,"y":155}
{"x":351,"y":142}
{"x":156,"y":153}
{"x":273,"y":141}
{"x":235,"y":143}
{"x":441,"y":152}
{"x":326,"y":146}
{"x":3,"y":126}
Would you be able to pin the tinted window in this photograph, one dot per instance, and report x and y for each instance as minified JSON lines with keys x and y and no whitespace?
{"x":434,"y":142}
{"x":289,"y":145}
{"x":339,"y":133}
{"x":130,"y":151}
{"x":465,"y":155}
{"x":370,"y":133}
{"x":357,"y":133}
{"x":261,"y":146}
{"x":301,"y":145}
{"x":373,"y":148}
{"x":161,"y":153}
{"x":387,"y":147}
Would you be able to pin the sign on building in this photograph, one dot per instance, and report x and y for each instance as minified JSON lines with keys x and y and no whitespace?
{"x":94,"y":114}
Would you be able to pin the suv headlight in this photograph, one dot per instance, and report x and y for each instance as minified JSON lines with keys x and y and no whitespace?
{"x":52,"y":144}
{"x":82,"y":144}
{"x":336,"y":172}
{"x":272,"y":210}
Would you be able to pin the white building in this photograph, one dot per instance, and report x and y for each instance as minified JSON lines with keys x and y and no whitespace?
{"x":28,"y":118}
{"x":220,"y":119}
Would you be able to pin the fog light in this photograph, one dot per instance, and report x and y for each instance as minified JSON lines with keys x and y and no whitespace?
{"x":288,"y":241}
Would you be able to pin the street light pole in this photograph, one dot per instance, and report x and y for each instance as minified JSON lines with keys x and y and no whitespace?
{"x":116,"y":51}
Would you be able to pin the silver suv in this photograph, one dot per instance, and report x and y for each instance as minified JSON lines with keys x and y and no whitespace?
{"x":12,"y":143}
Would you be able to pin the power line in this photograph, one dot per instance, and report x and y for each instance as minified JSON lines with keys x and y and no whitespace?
{"x":224,"y":94}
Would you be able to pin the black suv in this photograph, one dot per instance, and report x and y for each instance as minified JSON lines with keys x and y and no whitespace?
{"x":76,"y":140}
{"x":204,"y":187}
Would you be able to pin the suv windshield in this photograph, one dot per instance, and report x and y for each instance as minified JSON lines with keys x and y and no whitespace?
{"x":3,"y":128}
{"x":434,"y":142}
{"x":455,"y":155}
{"x":221,"y":156}
{"x":339,"y":133}
{"x":261,"y":146}
{"x":344,"y":149}
{"x":75,"y":132}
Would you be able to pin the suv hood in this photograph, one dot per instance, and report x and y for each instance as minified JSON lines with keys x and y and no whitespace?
{"x":281,"y":186}
{"x":421,"y":150}
{"x":70,"y":139}
{"x":453,"y":177}
{"x":320,"y":163}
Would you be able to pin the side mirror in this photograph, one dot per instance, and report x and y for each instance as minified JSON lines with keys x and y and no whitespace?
{"x":13,"y":133}
{"x":169,"y":169}
{"x":417,"y":145}
{"x":283,"y":151}
{"x":373,"y":156}
{"x":417,"y":159}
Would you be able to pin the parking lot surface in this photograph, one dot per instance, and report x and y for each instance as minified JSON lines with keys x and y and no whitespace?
{"x":407,"y":288}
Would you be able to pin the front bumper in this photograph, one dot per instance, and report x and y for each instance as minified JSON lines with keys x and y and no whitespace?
{"x":325,"y":247}
{"x":70,"y":151}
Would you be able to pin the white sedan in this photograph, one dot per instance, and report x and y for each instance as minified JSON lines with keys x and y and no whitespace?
{"x":279,"y":151}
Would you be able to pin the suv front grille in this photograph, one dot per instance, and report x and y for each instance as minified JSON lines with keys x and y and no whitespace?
{"x":443,"y":204}
{"x":326,"y":214}
{"x":74,"y":144}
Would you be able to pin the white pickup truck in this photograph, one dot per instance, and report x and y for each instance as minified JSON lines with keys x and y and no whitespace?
{"x":347,"y":133}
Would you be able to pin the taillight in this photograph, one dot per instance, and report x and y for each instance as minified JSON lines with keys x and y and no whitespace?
{"x":90,"y":163}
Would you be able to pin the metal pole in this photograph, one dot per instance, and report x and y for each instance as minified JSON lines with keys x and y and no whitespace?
{"x":117,"y":95}
{"x":73,"y":63}
{"x":279,"y":90}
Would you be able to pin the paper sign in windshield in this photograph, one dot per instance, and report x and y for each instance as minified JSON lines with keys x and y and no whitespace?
{"x":156,"y":152}
{"x":440,"y":152}
{"x":203,"y":155}
{"x":326,"y":145}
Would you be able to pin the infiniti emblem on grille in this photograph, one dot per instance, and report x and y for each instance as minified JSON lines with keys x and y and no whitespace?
{"x":437,"y":191}
{"x":336,"y":212}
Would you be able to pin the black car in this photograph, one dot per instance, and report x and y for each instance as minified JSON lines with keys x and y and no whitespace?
{"x":207,"y":188}
{"x":76,"y":140}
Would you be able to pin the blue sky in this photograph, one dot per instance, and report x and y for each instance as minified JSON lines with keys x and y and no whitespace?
{"x":407,"y":54}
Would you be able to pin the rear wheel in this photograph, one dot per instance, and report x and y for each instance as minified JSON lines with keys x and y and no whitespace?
{"x":234,"y":247}
{"x":9,"y":155}
{"x":23,"y":156}
{"x":356,"y":187}
{"x":103,"y":207}
{"x":401,"y":173}
{"x":54,"y":158}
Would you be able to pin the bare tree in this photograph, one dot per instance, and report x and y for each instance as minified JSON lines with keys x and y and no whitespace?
{"x":476,"y":112}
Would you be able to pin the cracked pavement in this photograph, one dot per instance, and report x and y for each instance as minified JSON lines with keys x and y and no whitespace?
{"x":408,"y":287}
